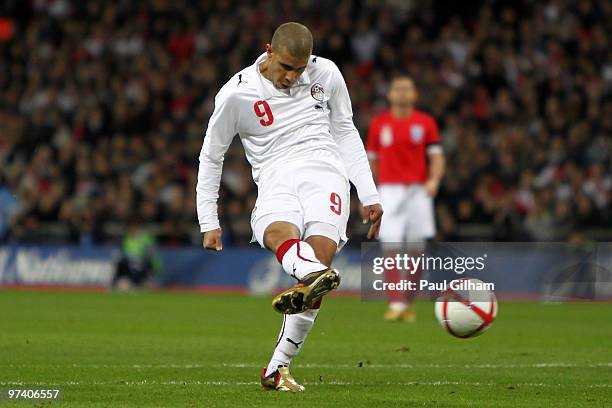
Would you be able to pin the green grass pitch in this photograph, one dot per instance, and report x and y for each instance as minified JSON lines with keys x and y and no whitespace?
{"x":197,"y":350}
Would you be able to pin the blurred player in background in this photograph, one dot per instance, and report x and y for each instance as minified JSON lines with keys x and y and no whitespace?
{"x":293,"y":114}
{"x":408,"y":163}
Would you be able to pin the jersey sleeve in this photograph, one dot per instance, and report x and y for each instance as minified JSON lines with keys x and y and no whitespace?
{"x":432,"y":138}
{"x":221,"y":130}
{"x":349,"y":142}
{"x":373,"y":144}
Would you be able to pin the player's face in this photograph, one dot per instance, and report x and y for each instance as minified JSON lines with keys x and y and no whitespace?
{"x":402,"y":92}
{"x":284,"y":68}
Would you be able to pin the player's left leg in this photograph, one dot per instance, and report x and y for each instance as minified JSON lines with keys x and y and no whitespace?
{"x":324,"y":248}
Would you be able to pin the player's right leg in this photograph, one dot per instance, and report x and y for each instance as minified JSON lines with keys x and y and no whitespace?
{"x":323,"y":238}
{"x":392,"y":235}
{"x":315,"y":279}
{"x":420,"y":227}
{"x":305,"y":259}
{"x":280,"y":231}
{"x":323,"y":193}
{"x":299,"y":260}
{"x":308,"y":293}
{"x":278,"y":225}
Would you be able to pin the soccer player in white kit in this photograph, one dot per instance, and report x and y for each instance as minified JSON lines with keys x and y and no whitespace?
{"x":293,"y":114}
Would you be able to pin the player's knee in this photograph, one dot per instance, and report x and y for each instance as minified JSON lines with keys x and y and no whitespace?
{"x":278,"y":232}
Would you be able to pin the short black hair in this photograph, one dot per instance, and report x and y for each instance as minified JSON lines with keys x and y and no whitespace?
{"x":296,"y":37}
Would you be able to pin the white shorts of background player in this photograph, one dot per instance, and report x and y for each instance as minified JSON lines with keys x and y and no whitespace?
{"x":311,"y":194}
{"x":409,"y":213}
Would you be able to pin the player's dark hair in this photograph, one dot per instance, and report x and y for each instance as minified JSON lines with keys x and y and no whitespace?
{"x":296,"y":37}
{"x":400,"y":75}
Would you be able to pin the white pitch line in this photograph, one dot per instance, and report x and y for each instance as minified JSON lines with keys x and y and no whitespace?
{"x":401,"y":365}
{"x":315,"y":365}
{"x":254,"y":383}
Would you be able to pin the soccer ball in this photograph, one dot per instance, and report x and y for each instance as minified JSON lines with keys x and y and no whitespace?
{"x":467,"y":308}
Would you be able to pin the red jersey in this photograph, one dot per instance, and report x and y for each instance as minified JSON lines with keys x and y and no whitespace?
{"x":400,"y":145}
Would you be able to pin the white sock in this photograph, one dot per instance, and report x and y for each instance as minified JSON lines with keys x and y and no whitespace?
{"x":299,"y":260}
{"x":291,"y":338}
{"x":398,"y":306}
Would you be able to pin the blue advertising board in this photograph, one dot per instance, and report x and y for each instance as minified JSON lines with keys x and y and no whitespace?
{"x":515,"y":268}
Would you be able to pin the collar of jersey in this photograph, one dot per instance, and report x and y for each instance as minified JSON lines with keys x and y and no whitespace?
{"x":268,"y":90}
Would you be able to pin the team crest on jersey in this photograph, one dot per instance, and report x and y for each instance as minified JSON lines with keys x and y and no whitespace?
{"x":317,"y":92}
{"x":416,"y":133}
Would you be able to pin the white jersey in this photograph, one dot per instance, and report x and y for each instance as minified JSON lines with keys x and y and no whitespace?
{"x":312,"y":121}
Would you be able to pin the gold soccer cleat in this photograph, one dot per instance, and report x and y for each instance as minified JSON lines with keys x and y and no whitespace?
{"x":400,"y":315}
{"x":393,"y":315}
{"x":306,"y":293}
{"x":408,"y":316}
{"x":280,"y":380}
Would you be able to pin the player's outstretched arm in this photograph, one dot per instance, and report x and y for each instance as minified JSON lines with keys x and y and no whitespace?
{"x":354,"y":154}
{"x":349,"y":142}
{"x":219,"y":134}
{"x":212,"y":240}
{"x":372,"y":213}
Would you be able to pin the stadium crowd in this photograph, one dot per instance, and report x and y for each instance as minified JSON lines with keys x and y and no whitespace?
{"x":103,"y":106}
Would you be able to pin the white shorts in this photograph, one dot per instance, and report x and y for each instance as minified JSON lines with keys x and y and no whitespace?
{"x":313,"y":195}
{"x":409,"y":213}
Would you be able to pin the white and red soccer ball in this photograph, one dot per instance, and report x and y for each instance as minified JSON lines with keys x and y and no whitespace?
{"x":466,"y":312}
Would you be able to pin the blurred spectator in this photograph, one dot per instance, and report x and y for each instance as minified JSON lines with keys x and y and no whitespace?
{"x":138,"y":264}
{"x":102,"y":106}
{"x":9,"y":208}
